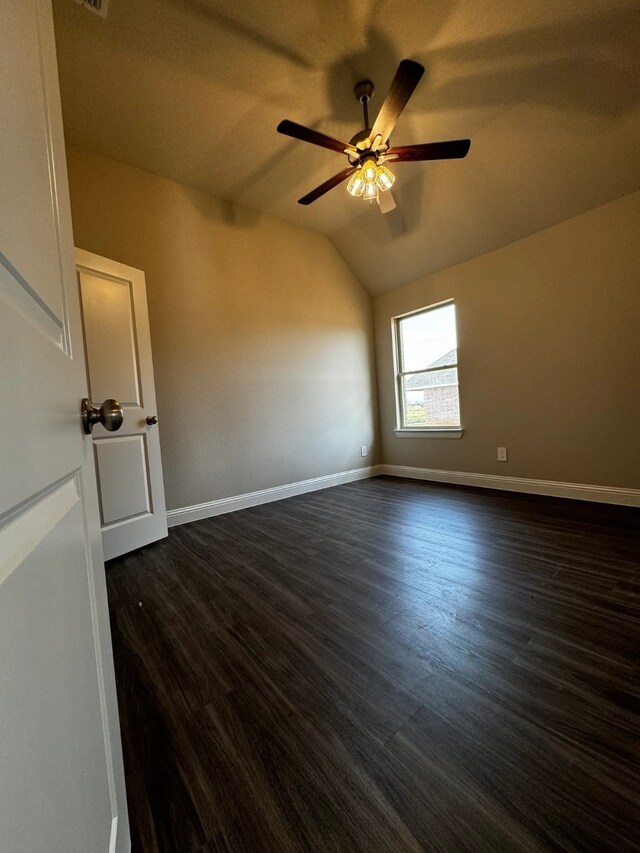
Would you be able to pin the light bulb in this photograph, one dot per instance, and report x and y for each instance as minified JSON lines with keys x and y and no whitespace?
{"x":385,"y":178}
{"x":369,"y":170}
{"x":356,"y":184}
{"x":370,"y":191}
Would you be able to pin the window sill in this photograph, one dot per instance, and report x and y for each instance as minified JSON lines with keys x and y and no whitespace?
{"x":455,"y":432}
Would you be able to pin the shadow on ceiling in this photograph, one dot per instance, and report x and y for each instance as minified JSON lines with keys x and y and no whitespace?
{"x":587,"y":63}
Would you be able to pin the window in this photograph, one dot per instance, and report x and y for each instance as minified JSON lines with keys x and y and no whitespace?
{"x":427,"y":364}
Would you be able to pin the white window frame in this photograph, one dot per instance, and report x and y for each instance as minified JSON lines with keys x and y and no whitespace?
{"x":402,"y":431}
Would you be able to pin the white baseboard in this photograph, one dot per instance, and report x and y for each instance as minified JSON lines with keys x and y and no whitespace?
{"x":277,"y":493}
{"x":577,"y":491}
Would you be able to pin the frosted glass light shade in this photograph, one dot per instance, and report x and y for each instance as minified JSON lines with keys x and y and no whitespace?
{"x":369,"y":170}
{"x":370,"y":191}
{"x":385,"y":178}
{"x":356,"y":183}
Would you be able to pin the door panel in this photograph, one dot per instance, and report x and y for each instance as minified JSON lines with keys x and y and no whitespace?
{"x":119,"y":365}
{"x":110,"y":339}
{"x":35,"y":251}
{"x":61,"y":775}
{"x":49,"y":663}
{"x":25,"y":123}
{"x":123,"y":459}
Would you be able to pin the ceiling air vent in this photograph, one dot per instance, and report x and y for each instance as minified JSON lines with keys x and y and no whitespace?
{"x":97,"y":6}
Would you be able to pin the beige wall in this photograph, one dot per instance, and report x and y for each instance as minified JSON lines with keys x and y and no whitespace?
{"x":549,"y":355}
{"x":262,"y":338}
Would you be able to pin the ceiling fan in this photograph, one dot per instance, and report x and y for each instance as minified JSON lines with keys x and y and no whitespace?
{"x":368,"y":151}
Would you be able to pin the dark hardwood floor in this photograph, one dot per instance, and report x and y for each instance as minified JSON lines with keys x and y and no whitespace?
{"x":384,"y":666}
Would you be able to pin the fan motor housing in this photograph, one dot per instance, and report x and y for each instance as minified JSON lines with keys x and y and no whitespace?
{"x":360,"y":136}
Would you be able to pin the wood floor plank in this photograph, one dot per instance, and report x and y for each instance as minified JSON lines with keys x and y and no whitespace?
{"x":384,"y":666}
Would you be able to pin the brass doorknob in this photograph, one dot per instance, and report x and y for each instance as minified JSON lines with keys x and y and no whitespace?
{"x":152,"y":419}
{"x":110,"y":415}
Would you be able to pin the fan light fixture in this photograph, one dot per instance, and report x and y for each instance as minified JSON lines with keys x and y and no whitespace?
{"x":370,"y":178}
{"x":369,"y":149}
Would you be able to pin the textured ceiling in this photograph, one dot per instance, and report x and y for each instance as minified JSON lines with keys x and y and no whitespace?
{"x":548,"y":92}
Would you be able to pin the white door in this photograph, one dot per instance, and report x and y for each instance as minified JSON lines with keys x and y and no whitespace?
{"x":118,"y":351}
{"x":61,"y":775}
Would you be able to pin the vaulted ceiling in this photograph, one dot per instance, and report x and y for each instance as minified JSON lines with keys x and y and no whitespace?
{"x":548,"y":92}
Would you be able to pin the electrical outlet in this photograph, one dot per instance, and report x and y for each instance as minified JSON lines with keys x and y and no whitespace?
{"x":363,"y":450}
{"x":502,"y":454}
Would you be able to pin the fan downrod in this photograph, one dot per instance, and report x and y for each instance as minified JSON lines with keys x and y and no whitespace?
{"x":364,"y":92}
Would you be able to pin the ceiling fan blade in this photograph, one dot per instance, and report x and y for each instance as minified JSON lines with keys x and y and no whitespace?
{"x":407,"y":78}
{"x":306,"y":134}
{"x":455,"y":149}
{"x":386,"y":201}
{"x":328,"y":185}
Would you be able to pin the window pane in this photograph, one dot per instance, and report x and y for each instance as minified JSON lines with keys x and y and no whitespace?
{"x":428,"y":339}
{"x":418,"y":381}
{"x":431,"y":399}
